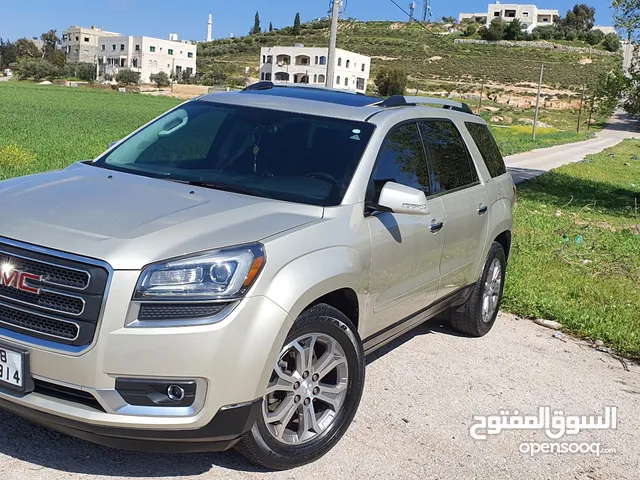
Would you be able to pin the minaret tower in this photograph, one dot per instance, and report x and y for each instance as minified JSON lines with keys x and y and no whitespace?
{"x":209,"y":28}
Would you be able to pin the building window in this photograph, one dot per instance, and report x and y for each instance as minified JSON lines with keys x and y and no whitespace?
{"x":77,"y":38}
{"x":189,"y":71}
{"x":189,"y":54}
{"x":264,"y":59}
{"x":339,"y":62}
{"x":348,"y":63}
{"x":170,"y":51}
{"x":64,"y":38}
{"x":113,"y":47}
{"x":152,"y":49}
{"x":122,"y":60}
{"x":321,"y":78}
{"x":137,"y":48}
{"x":102,"y":48}
{"x":346,"y":81}
{"x":323,"y":60}
{"x":316,"y":60}
{"x":338,"y":80}
{"x":86,"y":39}
{"x":75,"y":50}
{"x":262,"y":76}
{"x":363,"y":67}
{"x":122,"y":47}
{"x":269,"y":59}
{"x":315,"y":78}
{"x":525,"y":14}
{"x":496,"y":14}
{"x":510,"y":13}
{"x":360,"y":84}
{"x":545,"y":20}
{"x":267,"y":77}
{"x":134,"y":63}
{"x":155,"y":64}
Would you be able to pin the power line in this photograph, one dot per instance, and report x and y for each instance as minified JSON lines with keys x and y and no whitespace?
{"x":412,"y":18}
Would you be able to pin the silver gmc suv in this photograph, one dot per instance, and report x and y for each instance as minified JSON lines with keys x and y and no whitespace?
{"x":215,"y":279}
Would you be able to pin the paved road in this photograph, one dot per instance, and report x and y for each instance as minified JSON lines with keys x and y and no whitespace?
{"x":4,"y":79}
{"x":421,"y":393}
{"x":524,"y":166}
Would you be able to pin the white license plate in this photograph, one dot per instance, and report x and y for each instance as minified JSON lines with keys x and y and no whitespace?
{"x":11,"y":368}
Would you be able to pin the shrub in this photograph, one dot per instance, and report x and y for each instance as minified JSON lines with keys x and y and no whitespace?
{"x":611,"y":42}
{"x":513,"y":30}
{"x":37,"y":68}
{"x":594,"y":37}
{"x":127,"y":77}
{"x":471,"y":30}
{"x":391,"y":81}
{"x":161,"y":79}
{"x":495,"y":31}
{"x":544,"y":33}
{"x":570,"y":34}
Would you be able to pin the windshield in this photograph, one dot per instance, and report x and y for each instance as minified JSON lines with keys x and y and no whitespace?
{"x":270,"y":153}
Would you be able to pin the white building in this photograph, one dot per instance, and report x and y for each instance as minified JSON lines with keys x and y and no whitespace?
{"x":146,"y":56}
{"x":529,"y":15}
{"x":300,"y":64}
{"x":81,"y":44}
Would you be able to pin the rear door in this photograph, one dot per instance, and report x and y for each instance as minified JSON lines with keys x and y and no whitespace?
{"x":455,"y":180}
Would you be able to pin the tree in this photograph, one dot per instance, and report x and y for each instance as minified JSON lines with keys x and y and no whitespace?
{"x":36,"y":68}
{"x":127,"y":77}
{"x":296,"y":25}
{"x":391,"y":81}
{"x":83,"y":71}
{"x":471,"y":30}
{"x":627,"y":16}
{"x":8,"y":53}
{"x":25,"y":48}
{"x":495,"y":31}
{"x":611,"y":42}
{"x":161,"y":79}
{"x":50,"y":43}
{"x":632,"y":89}
{"x":270,"y":27}
{"x":581,"y":17}
{"x":594,"y":37}
{"x":513,"y":30}
{"x":449,"y":19}
{"x":256,"y":25}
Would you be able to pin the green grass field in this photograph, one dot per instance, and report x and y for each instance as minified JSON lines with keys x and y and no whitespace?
{"x":49,"y":127}
{"x":576,"y":252}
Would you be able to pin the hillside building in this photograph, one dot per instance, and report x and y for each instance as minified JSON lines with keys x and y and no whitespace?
{"x":81,"y":44}
{"x":300,"y":64}
{"x":145,"y":55}
{"x":529,"y":15}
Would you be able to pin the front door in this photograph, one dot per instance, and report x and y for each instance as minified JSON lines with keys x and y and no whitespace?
{"x":406,"y":249}
{"x":455,"y":181}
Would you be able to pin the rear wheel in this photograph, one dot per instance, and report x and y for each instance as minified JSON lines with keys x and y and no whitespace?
{"x":478,"y":315}
{"x":313,"y":393}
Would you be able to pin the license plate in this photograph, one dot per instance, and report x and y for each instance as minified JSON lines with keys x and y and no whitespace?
{"x":12,"y":368}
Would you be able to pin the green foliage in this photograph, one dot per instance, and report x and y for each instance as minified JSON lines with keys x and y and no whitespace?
{"x":25,"y":48}
{"x":570,"y":34}
{"x":581,"y":18}
{"x":270,"y":27}
{"x":594,"y":37}
{"x":127,"y":77}
{"x":161,"y":79}
{"x":36,"y":68}
{"x":82,"y":71}
{"x":50,"y":127}
{"x":546,"y":32}
{"x":589,"y":285}
{"x":514,"y":30}
{"x":50,"y":49}
{"x":471,"y":30}
{"x":8,"y":53}
{"x":391,"y":81}
{"x":296,"y":25}
{"x":449,"y":19}
{"x":495,"y":31}
{"x":632,"y":89}
{"x":611,"y":42}
{"x":256,"y":25}
{"x":627,"y":16}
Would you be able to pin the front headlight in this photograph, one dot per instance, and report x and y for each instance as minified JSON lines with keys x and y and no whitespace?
{"x":219,"y":274}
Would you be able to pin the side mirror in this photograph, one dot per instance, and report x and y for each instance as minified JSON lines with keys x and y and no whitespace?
{"x":402,"y":199}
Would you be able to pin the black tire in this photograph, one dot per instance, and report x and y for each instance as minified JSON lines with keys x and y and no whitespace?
{"x":260,"y":447}
{"x":467,"y":318}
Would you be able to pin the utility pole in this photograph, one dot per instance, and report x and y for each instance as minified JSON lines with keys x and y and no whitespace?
{"x":412,"y":8}
{"x":333,"y":37}
{"x":535,"y":117}
{"x":580,"y":111}
{"x":593,"y":100}
{"x":426,"y":11}
{"x":481,"y":93}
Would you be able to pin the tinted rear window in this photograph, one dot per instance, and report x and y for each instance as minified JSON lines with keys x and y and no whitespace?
{"x":488,"y":148}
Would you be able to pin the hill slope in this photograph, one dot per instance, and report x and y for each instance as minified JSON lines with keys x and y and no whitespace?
{"x":430,"y":59}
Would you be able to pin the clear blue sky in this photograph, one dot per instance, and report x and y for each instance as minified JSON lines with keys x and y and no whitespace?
{"x":188,"y":18}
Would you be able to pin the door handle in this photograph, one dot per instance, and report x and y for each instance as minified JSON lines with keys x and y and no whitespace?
{"x":435,"y":227}
{"x":482,"y":209}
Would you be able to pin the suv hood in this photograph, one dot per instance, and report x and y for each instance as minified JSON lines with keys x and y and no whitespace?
{"x":130,"y":221}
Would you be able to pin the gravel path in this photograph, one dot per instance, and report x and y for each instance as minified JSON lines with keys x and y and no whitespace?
{"x":421,"y":393}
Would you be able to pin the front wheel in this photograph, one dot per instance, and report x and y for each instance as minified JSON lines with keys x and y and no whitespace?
{"x":313,"y":393}
{"x":477,"y":316}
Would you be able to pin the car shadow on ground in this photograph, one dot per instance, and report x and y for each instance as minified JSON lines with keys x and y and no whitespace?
{"x":44,"y":448}
{"x":520,"y":175}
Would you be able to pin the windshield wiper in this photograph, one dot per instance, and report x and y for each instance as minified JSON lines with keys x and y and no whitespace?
{"x":225,"y":187}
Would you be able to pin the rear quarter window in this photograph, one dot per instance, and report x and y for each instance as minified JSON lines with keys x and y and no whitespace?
{"x":488,"y":148}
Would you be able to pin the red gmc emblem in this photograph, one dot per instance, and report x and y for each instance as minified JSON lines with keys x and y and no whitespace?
{"x":18,"y":280}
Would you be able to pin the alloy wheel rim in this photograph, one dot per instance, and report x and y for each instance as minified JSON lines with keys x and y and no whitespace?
{"x":492,"y":290}
{"x":307,"y":389}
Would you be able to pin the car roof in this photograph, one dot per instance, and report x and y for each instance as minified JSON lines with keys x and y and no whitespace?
{"x":325,"y":102}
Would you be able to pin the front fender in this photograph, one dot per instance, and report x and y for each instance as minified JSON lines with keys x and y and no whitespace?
{"x":309,"y":277}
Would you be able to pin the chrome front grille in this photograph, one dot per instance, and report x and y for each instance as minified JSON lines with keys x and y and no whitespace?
{"x":70,"y":295}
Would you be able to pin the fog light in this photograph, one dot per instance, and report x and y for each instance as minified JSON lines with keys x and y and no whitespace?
{"x":175,"y":393}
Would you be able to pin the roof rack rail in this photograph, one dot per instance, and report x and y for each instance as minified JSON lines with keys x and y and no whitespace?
{"x":259,"y":86}
{"x":403,"y":101}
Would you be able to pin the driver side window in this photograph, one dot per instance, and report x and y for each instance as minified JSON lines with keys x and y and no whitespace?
{"x":401,"y":160}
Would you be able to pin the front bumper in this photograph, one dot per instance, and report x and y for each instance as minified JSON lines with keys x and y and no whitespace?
{"x":230,"y":361}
